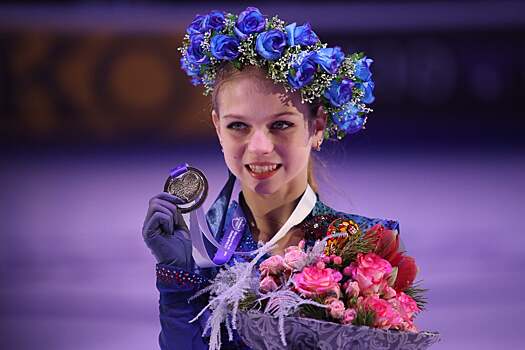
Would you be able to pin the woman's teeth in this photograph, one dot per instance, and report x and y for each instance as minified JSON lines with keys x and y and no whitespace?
{"x":260,"y":169}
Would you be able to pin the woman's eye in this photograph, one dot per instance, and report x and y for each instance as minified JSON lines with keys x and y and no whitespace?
{"x":237,"y":126}
{"x":281,"y":125}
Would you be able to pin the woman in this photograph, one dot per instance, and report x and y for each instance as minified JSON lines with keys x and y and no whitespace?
{"x":267,"y":127}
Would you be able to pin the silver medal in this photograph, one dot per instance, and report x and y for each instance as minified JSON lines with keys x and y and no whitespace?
{"x":190,"y":186}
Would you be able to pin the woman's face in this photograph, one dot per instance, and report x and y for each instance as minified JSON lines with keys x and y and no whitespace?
{"x":265,"y":133}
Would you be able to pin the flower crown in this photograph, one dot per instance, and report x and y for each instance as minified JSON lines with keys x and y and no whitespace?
{"x":292,"y":55}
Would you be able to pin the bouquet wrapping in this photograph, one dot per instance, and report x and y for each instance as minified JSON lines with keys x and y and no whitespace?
{"x":350,"y":289}
{"x":261,"y":331}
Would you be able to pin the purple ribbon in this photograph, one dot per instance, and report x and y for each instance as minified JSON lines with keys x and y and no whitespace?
{"x":179,"y":169}
{"x":234,"y":231}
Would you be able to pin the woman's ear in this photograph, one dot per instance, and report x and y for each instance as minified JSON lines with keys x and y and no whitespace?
{"x":216,"y":124}
{"x":319,"y":123}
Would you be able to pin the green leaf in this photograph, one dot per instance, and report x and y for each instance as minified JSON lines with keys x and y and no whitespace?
{"x":364,"y":318}
{"x":248,"y":302}
{"x":393,"y":276}
{"x":312,"y":311}
{"x":416,"y":292}
{"x":237,"y":64}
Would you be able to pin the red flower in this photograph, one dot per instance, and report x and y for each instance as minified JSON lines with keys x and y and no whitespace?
{"x":385,"y":242}
{"x":406,"y":273}
{"x":386,"y":245}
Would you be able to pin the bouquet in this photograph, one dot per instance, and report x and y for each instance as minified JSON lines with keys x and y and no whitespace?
{"x":351,"y":287}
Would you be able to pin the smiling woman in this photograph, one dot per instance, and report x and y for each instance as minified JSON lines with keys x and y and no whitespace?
{"x":265,"y":132}
{"x":267,"y":135}
{"x":277,"y":93}
{"x":285,"y":105}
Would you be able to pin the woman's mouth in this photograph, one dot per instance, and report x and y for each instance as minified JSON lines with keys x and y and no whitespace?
{"x":262,"y":171}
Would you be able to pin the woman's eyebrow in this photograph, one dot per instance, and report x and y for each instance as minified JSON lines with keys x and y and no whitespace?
{"x":238,"y":116}
{"x":282,"y":113}
{"x":233,"y":116}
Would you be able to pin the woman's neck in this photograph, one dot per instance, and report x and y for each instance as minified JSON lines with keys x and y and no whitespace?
{"x":268,"y":213}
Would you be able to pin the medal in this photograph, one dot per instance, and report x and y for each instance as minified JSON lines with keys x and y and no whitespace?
{"x":189,"y":184}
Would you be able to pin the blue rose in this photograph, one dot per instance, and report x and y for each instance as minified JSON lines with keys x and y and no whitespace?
{"x":224,"y":47}
{"x":368,"y":88}
{"x":302,"y":35}
{"x":197,"y":26}
{"x":303,"y":71}
{"x":191,"y":70}
{"x":330,"y":58}
{"x":196,"y":81}
{"x":349,"y":120}
{"x":339,"y":93}
{"x":215,"y":20}
{"x":249,"y":21}
{"x":201,"y":24}
{"x":195,"y":53}
{"x":362,"y":69}
{"x":271,"y":44}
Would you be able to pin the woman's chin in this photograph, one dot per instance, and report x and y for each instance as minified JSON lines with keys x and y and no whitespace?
{"x":263,"y":187}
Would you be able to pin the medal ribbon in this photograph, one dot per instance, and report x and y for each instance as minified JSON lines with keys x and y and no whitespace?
{"x":179,"y":170}
{"x":235,"y":229}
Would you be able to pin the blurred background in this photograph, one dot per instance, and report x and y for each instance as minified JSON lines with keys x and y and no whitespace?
{"x":94,"y":111}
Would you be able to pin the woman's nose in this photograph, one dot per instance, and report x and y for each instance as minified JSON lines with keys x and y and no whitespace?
{"x":260,"y":142}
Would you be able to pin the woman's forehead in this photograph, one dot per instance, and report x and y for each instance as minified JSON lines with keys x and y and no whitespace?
{"x":251,"y":96}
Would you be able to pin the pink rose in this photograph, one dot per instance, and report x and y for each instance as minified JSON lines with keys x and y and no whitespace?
{"x":388,"y":292}
{"x":294,"y":258}
{"x":336,"y":309}
{"x":347,"y":271}
{"x":351,"y":288}
{"x":267,"y":284}
{"x":316,"y":281}
{"x":348,"y":316}
{"x":272,"y":266}
{"x":408,"y":327}
{"x":386,"y":316}
{"x":337,"y":260}
{"x":405,"y":305}
{"x":369,"y":271}
{"x":291,"y":248}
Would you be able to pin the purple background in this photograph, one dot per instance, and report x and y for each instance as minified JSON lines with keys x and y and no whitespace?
{"x":74,"y":272}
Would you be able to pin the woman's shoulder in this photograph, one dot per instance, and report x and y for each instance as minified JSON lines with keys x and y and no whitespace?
{"x":322,"y":213}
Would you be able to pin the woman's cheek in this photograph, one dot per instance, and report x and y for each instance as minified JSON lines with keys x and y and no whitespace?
{"x":298,"y":158}
{"x":233,"y":161}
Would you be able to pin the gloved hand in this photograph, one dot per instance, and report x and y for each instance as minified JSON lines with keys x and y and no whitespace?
{"x":166,"y":233}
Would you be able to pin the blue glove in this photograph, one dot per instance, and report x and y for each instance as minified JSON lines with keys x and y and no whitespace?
{"x":166,"y":233}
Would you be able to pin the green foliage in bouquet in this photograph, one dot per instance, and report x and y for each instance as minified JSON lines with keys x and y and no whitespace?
{"x":313,"y":311}
{"x":416,"y":292}
{"x":364,"y":318}
{"x":356,"y":244}
{"x":251,"y":301}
